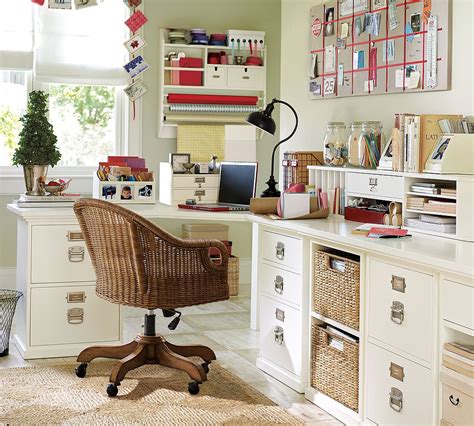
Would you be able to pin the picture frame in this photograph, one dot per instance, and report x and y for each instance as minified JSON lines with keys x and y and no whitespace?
{"x":109,"y":192}
{"x":127,"y":192}
{"x":145,"y":191}
{"x":177,"y":160}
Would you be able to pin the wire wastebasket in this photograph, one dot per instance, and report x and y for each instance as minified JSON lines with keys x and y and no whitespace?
{"x":8,"y":301}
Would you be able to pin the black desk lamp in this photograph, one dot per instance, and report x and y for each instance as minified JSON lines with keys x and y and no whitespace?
{"x":264,"y":121}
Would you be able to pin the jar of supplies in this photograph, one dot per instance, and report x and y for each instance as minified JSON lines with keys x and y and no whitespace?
{"x":353,"y":143}
{"x":335,"y":144}
{"x":370,"y":144}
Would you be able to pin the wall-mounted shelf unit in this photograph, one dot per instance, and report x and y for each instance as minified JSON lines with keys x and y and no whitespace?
{"x":396,"y":186}
{"x":217,"y":79}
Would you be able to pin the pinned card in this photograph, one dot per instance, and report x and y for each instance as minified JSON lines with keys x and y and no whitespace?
{"x":133,"y":3}
{"x":83,"y":4}
{"x":135,"y":90}
{"x":388,"y":50}
{"x":399,"y":79}
{"x":135,"y":43}
{"x":368,"y":86}
{"x":414,"y":80}
{"x":60,"y":4}
{"x":340,"y":75}
{"x":345,"y":30}
{"x":136,"y":66}
{"x":136,"y":21}
{"x":330,"y":59}
{"x":409,"y":33}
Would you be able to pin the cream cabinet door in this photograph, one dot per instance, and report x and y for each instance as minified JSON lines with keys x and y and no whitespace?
{"x":281,"y":284}
{"x":282,"y":249}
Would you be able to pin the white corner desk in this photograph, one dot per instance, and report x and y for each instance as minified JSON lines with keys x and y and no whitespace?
{"x":59,"y":306}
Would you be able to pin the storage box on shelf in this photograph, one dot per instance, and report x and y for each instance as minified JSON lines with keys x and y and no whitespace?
{"x":177,"y":188}
{"x":213,"y":79}
{"x":396,"y":186}
{"x":139,"y":192}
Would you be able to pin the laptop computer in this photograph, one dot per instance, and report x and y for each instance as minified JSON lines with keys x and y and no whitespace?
{"x":237,"y":185}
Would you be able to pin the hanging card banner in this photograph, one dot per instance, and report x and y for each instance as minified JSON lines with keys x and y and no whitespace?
{"x":60,"y":4}
{"x":135,"y":43}
{"x":136,"y":21}
{"x":82,"y":4}
{"x":316,"y":27}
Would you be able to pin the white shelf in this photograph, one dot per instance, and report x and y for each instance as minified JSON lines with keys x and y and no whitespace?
{"x":206,"y":89}
{"x":336,"y":324}
{"x":431,"y":213}
{"x":447,"y":197}
{"x":209,"y":47}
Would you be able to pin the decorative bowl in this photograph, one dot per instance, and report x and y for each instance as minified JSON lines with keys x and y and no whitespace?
{"x":56,"y":187}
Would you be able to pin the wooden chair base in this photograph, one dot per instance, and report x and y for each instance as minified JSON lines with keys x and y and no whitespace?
{"x":149,"y":350}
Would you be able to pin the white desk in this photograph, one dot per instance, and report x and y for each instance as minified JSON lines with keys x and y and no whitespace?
{"x":439,"y":274}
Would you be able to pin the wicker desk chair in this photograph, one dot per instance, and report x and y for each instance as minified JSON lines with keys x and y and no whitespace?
{"x":138,"y":264}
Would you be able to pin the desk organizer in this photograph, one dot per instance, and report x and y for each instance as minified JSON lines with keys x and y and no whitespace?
{"x":124,"y":192}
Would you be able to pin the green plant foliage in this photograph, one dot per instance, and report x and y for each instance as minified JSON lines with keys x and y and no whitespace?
{"x":93,"y":105}
{"x":9,"y":127}
{"x":37,"y":143}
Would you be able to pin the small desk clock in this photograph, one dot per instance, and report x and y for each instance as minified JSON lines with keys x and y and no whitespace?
{"x":453,"y":154}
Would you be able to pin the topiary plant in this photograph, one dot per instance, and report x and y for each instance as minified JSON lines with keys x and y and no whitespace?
{"x":37,"y":143}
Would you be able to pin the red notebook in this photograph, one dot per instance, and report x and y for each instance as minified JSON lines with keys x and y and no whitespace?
{"x":376,"y":232}
{"x":204,"y":207}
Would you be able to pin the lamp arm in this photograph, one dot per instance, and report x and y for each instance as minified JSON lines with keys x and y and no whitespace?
{"x":287,"y":138}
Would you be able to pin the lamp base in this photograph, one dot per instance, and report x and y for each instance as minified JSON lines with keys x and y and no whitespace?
{"x":271,"y":191}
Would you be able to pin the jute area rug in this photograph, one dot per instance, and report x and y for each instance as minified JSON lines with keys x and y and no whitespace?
{"x":150,"y":395}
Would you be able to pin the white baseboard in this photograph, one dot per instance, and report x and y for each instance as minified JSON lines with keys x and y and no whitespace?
{"x":8,"y":275}
{"x":8,"y":278}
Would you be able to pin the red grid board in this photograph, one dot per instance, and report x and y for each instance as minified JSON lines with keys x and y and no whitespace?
{"x":371,"y":43}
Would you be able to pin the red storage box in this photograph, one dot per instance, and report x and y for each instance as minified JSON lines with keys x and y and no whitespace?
{"x":190,"y":78}
{"x":363,"y":215}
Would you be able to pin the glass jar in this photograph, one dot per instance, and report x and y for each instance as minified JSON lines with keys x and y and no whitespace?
{"x":370,"y":144}
{"x":353,"y":143}
{"x":335,"y":144}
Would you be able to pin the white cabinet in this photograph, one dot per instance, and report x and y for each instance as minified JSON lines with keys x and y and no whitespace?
{"x":282,"y":249}
{"x":372,"y":185}
{"x":458,"y":408}
{"x":250,"y":78}
{"x":401,"y":308}
{"x":283,"y":285}
{"x":458,"y":304}
{"x":216,"y":77}
{"x":399,"y":392}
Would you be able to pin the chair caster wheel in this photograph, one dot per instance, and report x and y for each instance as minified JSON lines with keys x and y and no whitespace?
{"x":193,"y":388}
{"x":81,"y":370}
{"x":112,"y":390}
{"x":205,"y":366}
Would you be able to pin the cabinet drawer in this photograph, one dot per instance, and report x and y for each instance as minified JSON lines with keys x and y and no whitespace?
{"x":246,"y":78}
{"x":216,"y":76}
{"x":458,"y":303}
{"x":196,"y":181}
{"x":375,"y":185}
{"x":399,"y":392}
{"x":458,"y":408}
{"x":59,"y":255}
{"x":284,"y":285}
{"x":208,"y":195}
{"x":401,"y":305}
{"x":282,"y":249}
{"x":72,"y":314}
{"x":280,"y":334}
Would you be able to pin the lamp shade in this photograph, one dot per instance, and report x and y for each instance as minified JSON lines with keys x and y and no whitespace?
{"x":263,"y":121}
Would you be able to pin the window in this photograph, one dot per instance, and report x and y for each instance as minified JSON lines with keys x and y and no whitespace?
{"x":84,"y":120}
{"x":13,"y":97}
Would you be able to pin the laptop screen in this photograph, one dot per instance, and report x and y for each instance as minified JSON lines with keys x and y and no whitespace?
{"x":237,"y":183}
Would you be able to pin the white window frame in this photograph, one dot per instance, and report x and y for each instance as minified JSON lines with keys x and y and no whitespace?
{"x":129,"y":142}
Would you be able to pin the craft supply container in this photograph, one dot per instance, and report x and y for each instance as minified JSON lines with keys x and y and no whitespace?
{"x":335,"y":144}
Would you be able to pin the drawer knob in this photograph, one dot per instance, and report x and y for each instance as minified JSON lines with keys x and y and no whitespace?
{"x":453,"y":401}
{"x":396,"y":400}
{"x":397,"y":312}
{"x":76,"y":254}
{"x":280,"y":315}
{"x":279,"y":335}
{"x":279,"y":284}
{"x":280,"y":251}
{"x":75,"y":316}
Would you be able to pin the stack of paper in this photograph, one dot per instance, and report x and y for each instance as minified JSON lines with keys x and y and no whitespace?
{"x":415,"y":203}
{"x":459,"y":358}
{"x":442,"y":228}
{"x":440,"y":207}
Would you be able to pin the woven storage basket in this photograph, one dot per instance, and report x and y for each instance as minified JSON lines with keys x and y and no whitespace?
{"x":233,"y":276}
{"x":335,"y":372}
{"x":335,"y":293}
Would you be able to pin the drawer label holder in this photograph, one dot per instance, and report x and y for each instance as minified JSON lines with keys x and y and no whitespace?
{"x":280,"y":315}
{"x":396,"y":371}
{"x":398,"y":284}
{"x":75,"y":316}
{"x":76,"y":297}
{"x":75,"y":236}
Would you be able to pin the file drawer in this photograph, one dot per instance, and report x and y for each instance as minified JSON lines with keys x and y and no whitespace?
{"x":282,"y":250}
{"x":401,"y":304}
{"x":216,"y":76}
{"x":72,"y":314}
{"x":280,"y":335}
{"x":59,"y":255}
{"x":399,"y":392}
{"x":458,"y":408}
{"x":458,"y":303}
{"x":372,"y":185}
{"x":242,"y":77}
{"x":208,"y":195}
{"x":281,"y":284}
{"x":196,"y":182}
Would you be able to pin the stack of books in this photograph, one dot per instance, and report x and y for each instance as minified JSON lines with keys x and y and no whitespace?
{"x":28,"y":201}
{"x":459,"y":358}
{"x":448,"y":192}
{"x":437,"y":206}
{"x":443,"y":225}
{"x":456,"y":126}
{"x":425,"y":188}
{"x":415,"y":203}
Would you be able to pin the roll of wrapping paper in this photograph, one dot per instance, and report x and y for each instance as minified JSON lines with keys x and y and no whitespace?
{"x":395,"y":208}
{"x":205,"y":118}
{"x":396,"y":220}
{"x":268,"y":206}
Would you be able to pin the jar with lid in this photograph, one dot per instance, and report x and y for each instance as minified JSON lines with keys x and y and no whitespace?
{"x":335,"y":144}
{"x":353,"y":143}
{"x":370,"y":144}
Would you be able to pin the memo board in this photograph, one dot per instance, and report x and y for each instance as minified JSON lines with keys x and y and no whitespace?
{"x":374,"y":47}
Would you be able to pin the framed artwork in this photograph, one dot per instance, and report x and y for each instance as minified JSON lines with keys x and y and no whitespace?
{"x":126,"y":192}
{"x":109,"y":192}
{"x":145,"y":191}
{"x":177,"y":161}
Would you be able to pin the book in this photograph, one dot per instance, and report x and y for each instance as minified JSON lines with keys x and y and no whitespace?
{"x":430,"y":132}
{"x":437,"y":219}
{"x":442,"y":228}
{"x":381,"y":232}
{"x":464,"y":350}
{"x":398,"y":150}
{"x":366,"y":227}
{"x":49,"y":198}
{"x":45,"y":204}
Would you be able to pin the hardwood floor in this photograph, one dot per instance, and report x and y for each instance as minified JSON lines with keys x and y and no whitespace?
{"x":224,"y":327}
